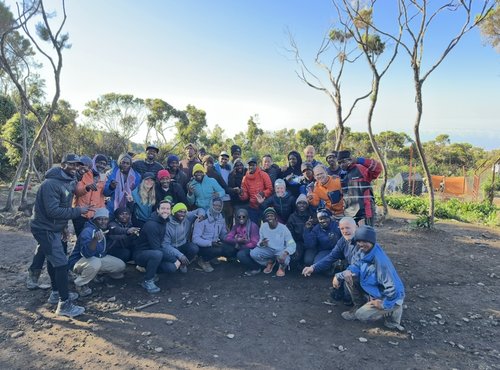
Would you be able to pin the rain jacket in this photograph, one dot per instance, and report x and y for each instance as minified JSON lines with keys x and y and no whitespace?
{"x":254,"y":183}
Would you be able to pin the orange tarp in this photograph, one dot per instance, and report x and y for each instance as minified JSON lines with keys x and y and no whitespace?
{"x":436,"y":181}
{"x":454,"y":185}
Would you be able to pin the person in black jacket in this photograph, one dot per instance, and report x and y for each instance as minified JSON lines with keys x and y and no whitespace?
{"x":141,"y":166}
{"x":122,"y":235}
{"x":52,"y":212}
{"x":234,"y":185}
{"x":165,"y":187}
{"x":292,"y":173}
{"x":272,"y":169}
{"x":282,"y":201}
{"x":149,"y":252}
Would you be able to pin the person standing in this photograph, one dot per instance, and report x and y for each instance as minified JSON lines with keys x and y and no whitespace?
{"x":51,"y":214}
{"x":141,"y":166}
{"x":191,"y":159}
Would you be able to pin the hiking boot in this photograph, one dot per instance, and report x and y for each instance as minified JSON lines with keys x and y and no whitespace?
{"x":150,"y":286}
{"x":252,"y":272}
{"x":83,"y":290}
{"x":140,"y":268}
{"x":281,"y":271}
{"x":32,"y":279}
{"x":393,"y":325}
{"x":349,"y":315}
{"x":269,"y":267}
{"x":68,"y":308}
{"x":206,"y":266}
{"x":54,"y":297}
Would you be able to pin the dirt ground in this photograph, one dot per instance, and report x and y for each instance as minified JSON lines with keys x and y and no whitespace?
{"x":226,"y":320}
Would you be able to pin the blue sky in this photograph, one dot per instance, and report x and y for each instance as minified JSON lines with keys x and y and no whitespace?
{"x":228,"y":58}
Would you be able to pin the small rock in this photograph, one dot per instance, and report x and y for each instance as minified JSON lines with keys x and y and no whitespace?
{"x":90,"y":321}
{"x":158,"y":349}
{"x":362,"y":339}
{"x":169,"y":322}
{"x":46,"y":325}
{"x":394,"y":343}
{"x":146,"y":333}
{"x":302,"y":321}
{"x":341,"y":348}
{"x":17,"y":334}
{"x":480,"y":284}
{"x":274,"y":314}
{"x":112,"y":299}
{"x":330,"y":311}
{"x":169,"y":300}
{"x":461,"y":347}
{"x":434,"y":309}
{"x":438,"y":316}
{"x":230,"y":336}
{"x":216,"y":356}
{"x":465,"y":319}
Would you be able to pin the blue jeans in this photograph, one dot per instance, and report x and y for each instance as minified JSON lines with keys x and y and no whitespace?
{"x":312,"y":256}
{"x":243,"y":256}
{"x":154,"y":262}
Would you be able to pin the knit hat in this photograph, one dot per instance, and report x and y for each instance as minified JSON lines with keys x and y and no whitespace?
{"x":153,"y":147}
{"x":237,"y":160}
{"x":323,"y":212}
{"x":343,"y":154}
{"x":100,"y":157}
{"x":86,"y":161}
{"x":279,"y":182}
{"x":179,"y":207}
{"x":121,"y":210}
{"x":162,"y":173}
{"x":332,"y":154}
{"x":235,"y":149}
{"x":366,"y":233}
{"x":301,"y":198}
{"x":269,"y":210}
{"x":101,"y":212}
{"x":252,"y":160}
{"x":148,"y":175}
{"x":172,"y":158}
{"x":306,"y":166}
{"x":198,"y":167}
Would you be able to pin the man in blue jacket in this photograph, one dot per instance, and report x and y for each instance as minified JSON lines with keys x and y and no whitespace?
{"x":375,"y":287}
{"x":319,"y":240}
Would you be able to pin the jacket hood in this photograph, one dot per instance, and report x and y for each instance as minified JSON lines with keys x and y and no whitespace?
{"x":156,"y":218}
{"x":58,"y":174}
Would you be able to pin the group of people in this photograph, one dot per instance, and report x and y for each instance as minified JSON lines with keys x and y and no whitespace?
{"x":314,"y":217}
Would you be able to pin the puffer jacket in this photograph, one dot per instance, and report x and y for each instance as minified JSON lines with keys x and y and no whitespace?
{"x":202,"y":195}
{"x":90,"y":198}
{"x":284,"y":206}
{"x":254,"y":183}
{"x":330,"y":193}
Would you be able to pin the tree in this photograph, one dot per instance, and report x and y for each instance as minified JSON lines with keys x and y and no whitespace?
{"x":490,"y":26}
{"x":162,"y":117}
{"x":314,"y":136}
{"x":7,"y":109}
{"x":121,"y":114}
{"x":190,"y":125}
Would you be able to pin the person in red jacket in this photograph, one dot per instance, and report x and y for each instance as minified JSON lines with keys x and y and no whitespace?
{"x":255,"y":184}
{"x":359,"y":202}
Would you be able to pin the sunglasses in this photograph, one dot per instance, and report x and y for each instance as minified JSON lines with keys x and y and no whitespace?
{"x":242,"y":216}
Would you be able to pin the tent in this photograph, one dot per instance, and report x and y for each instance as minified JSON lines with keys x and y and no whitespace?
{"x":403,"y":184}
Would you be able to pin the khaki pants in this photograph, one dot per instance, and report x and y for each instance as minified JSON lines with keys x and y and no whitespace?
{"x":88,"y":268}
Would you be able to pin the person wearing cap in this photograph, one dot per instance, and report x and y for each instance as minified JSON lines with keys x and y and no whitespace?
{"x":120,"y":183}
{"x":359,"y":201}
{"x":178,"y":229}
{"x":375,"y":287}
{"x":296,"y":223}
{"x":52,"y":211}
{"x":309,"y":153}
{"x":149,"y":164}
{"x":292,"y":173}
{"x":320,"y":239}
{"x":142,"y":200}
{"x":201,"y":153}
{"x":149,"y":252}
{"x":272,"y":169}
{"x":333,"y":166}
{"x":306,"y":181}
{"x":345,"y":253}
{"x":90,"y":258}
{"x":209,"y":235}
{"x":191,"y":159}
{"x":176,"y":174}
{"x":202,"y":189}
{"x":275,"y":244}
{"x":165,"y":187}
{"x":281,"y":200}
{"x":234,"y":185}
{"x":88,"y":192}
{"x":256,"y":183}
{"x":122,"y":235}
{"x":326,"y":192}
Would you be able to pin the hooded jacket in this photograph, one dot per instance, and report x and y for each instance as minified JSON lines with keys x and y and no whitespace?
{"x":177,"y":233}
{"x":274,"y":172}
{"x":90,"y":198}
{"x":53,"y":201}
{"x":211,"y":229}
{"x":152,"y":233}
{"x":202,"y":195}
{"x":322,"y":239}
{"x":292,"y":184}
{"x":82,"y":245}
{"x":254,"y":183}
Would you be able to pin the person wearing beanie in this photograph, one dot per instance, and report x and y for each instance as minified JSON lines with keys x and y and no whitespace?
{"x":357,"y":191}
{"x":327,"y":191}
{"x":282,"y":201}
{"x":202,"y":189}
{"x":178,"y":229}
{"x":296,"y":224}
{"x":165,"y":187}
{"x":89,"y":192}
{"x":333,"y":166}
{"x":51,"y":213}
{"x":176,"y":174}
{"x":89,"y":257}
{"x":256,"y":184}
{"x":100,"y":163}
{"x":373,"y":276}
{"x":319,"y":240}
{"x":191,"y":159}
{"x":143,"y":200}
{"x":275,"y":244}
{"x":345,"y":253}
{"x":209,"y":235}
{"x":122,"y":235}
{"x":149,"y":164}
{"x":235,"y":153}
{"x":85,"y":167}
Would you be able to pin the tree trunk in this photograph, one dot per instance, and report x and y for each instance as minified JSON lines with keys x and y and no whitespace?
{"x":340,"y":124}
{"x":374,"y":98}
{"x":420,"y":149}
{"x":50,"y":148}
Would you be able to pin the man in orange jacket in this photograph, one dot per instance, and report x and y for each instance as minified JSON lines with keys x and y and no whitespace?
{"x":327,"y":189}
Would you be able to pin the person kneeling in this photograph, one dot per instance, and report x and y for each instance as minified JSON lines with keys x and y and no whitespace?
{"x":275,"y":244}
{"x":89,"y":257}
{"x":373,"y":276}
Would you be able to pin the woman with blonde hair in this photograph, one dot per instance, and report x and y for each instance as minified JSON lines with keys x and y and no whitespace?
{"x":142,"y":200}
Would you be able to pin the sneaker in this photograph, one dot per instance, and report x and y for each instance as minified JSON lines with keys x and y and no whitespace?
{"x":252,"y":272}
{"x":206,"y":266}
{"x":269,"y":267}
{"x":140,"y":268}
{"x":281,"y":271}
{"x":68,"y":308}
{"x":150,"y":286}
{"x":349,"y":315}
{"x":83,"y":290}
{"x":32,"y":279}
{"x":54,"y":297}
{"x":393,"y":325}
{"x":183,"y":269}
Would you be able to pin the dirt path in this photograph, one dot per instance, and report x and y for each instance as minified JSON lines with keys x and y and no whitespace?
{"x":226,"y":320}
